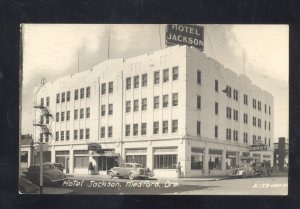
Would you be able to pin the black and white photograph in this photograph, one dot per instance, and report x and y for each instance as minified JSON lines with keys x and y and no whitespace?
{"x":154,"y":109}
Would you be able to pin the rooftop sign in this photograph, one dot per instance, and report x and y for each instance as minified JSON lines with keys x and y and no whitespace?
{"x":190,"y":35}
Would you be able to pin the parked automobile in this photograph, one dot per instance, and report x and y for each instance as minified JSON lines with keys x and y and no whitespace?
{"x":262,"y":169}
{"x":243,"y":171}
{"x":59,"y":166}
{"x":51,"y":175}
{"x":27,"y":187}
{"x":129,"y":170}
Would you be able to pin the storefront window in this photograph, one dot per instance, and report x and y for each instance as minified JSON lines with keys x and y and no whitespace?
{"x":197,"y":158}
{"x":81,"y":161}
{"x":141,"y":159}
{"x":231,"y":159}
{"x":215,"y":159}
{"x":165,"y":161}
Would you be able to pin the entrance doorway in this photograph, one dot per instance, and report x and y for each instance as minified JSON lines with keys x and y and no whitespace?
{"x":105,"y":163}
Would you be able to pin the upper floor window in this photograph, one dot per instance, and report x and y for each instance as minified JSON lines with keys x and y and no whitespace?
{"x":235,"y":115}
{"x":87,"y":112}
{"x":102,"y":132}
{"x":135,"y":105}
{"x":81,"y":134}
{"x":68,"y":115}
{"x":68,"y":96}
{"x":127,"y":130}
{"x":228,"y":91}
{"x":216,"y":86}
{"x":63,"y":97}
{"x":111,"y":87}
{"x":156,"y":77}
{"x":81,"y":113}
{"x":259,"y":105}
{"x":110,"y":109}
{"x":174,"y":126}
{"x":136,"y":80}
{"x":57,"y":117}
{"x":254,"y":121}
{"x":87,"y":133}
{"x":165,"y":75}
{"x":144,"y":129}
{"x":235,"y":95}
{"x":103,"y":88}
{"x":198,"y":128}
{"x":155,"y":127}
{"x":75,"y":114}
{"x":128,"y":106}
{"x":165,"y":100}
{"x":76,"y":94}
{"x":216,"y":131}
{"x":175,"y":99}
{"x":144,"y":80}
{"x":82,"y":93}
{"x":198,"y":76}
{"x":269,"y":110}
{"x":110,"y":131}
{"x":88,"y":92}
{"x":144,"y":104}
{"x":254,"y":103}
{"x":216,"y":108}
{"x":57,"y":98}
{"x":175,"y":73}
{"x":235,"y":135}
{"x":228,"y":112}
{"x":42,"y":102}
{"x":228,"y":134}
{"x":198,"y":102}
{"x":245,"y":137}
{"x":75,"y":134}
{"x":103,"y":110}
{"x":245,"y":118}
{"x":165,"y":126}
{"x":156,"y":102}
{"x":62,"y":135}
{"x":135,"y":129}
{"x":67,"y":135}
{"x":128,"y":83}
{"x":245,"y":99}
{"x":62,"y":116}
{"x":47,"y":101}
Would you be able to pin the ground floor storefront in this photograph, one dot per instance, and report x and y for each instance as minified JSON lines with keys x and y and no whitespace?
{"x":196,"y":157}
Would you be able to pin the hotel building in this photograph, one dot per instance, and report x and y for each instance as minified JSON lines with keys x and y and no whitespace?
{"x":174,"y":105}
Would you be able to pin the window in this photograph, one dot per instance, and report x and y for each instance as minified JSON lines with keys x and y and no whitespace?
{"x":144,"y":129}
{"x":47,"y":101}
{"x":216,"y":86}
{"x":103,"y":88}
{"x":47,"y":119}
{"x":215,"y":159}
{"x":103,"y":108}
{"x":68,"y":135}
{"x":175,"y":73}
{"x":75,"y":134}
{"x":57,"y":117}
{"x":88,"y":92}
{"x":62,"y":135}
{"x":198,"y":102}
{"x":197,"y":158}
{"x":235,"y":115}
{"x":136,"y":158}
{"x":82,"y":93}
{"x":245,"y":99}
{"x":254,"y":139}
{"x":245,"y":137}
{"x":156,"y":77}
{"x":259,"y":105}
{"x":75,"y":114}
{"x":87,"y":133}
{"x":110,"y":87}
{"x":87,"y":112}
{"x":135,"y":105}
{"x":165,"y":100}
{"x":165,"y":126}
{"x":216,"y":131}
{"x":198,"y":128}
{"x":228,"y":112}
{"x":42,"y":102}
{"x":144,"y":80}
{"x":228,"y":134}
{"x":259,"y":123}
{"x":110,"y":131}
{"x":198,"y":76}
{"x":245,"y":118}
{"x":62,"y":116}
{"x":144,"y":104}
{"x":156,"y":102}
{"x":265,"y":140}
{"x":265,"y":108}
{"x":216,"y":108}
{"x":102,"y":132}
{"x":165,"y":75}
{"x":254,"y":121}
{"x":269,"y":144}
{"x":56,"y":136}
{"x":269,"y":110}
{"x":81,"y":113}
{"x":63,"y":97}
{"x":57,"y":98}
{"x":110,"y":109}
{"x":228,"y":91}
{"x":175,"y":99}
{"x":265,"y":125}
{"x":235,"y":135}
{"x":269,"y":126}
{"x":135,"y":129}
{"x":128,"y":106}
{"x":68,"y":96}
{"x":136,"y":81}
{"x":81,"y":161}
{"x":165,"y":161}
{"x":174,"y":126}
{"x":128,"y":83}
{"x":127,"y":130}
{"x":254,"y":103}
{"x":76,"y":94}
{"x":235,"y":95}
{"x":155,"y":127}
{"x":81,"y":134}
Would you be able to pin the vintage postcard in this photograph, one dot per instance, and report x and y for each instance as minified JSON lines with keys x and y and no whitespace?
{"x":180,"y":109}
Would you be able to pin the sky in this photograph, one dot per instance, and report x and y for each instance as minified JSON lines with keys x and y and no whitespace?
{"x":51,"y":51}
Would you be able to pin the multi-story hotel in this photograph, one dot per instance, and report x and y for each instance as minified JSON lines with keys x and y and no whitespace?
{"x":174,"y":105}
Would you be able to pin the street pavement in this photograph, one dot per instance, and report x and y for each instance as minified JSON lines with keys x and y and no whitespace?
{"x":101,"y":185}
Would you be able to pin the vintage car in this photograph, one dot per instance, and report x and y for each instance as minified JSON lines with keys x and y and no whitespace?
{"x":51,"y":175}
{"x":27,"y":187}
{"x":262,"y":169}
{"x":59,"y":166}
{"x":243,"y":171}
{"x":129,"y":170}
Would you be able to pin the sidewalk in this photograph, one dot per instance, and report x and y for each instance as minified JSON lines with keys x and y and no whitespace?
{"x":56,"y":190}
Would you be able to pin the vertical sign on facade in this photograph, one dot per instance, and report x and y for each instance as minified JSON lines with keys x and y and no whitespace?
{"x":190,"y":35}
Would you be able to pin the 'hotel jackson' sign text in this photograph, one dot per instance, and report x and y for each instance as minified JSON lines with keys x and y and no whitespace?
{"x":190,"y":35}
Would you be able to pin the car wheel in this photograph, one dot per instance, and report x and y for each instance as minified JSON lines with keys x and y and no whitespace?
{"x":110,"y":175}
{"x":131,"y":176}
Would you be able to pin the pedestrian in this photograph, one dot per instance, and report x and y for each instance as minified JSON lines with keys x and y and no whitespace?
{"x":90,"y":168}
{"x":178,"y":170}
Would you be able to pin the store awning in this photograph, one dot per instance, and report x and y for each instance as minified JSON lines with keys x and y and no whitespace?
{"x":107,"y":154}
